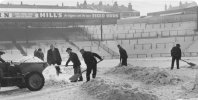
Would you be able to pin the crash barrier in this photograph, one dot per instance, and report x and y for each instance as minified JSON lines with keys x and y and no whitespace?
{"x":106,"y":48}
{"x":140,"y":27}
{"x":145,"y":35}
{"x":153,"y":55}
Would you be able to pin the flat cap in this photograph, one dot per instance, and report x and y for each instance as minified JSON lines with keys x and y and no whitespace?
{"x":68,"y":49}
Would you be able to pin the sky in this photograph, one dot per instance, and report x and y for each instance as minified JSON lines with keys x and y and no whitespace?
{"x":144,"y":6}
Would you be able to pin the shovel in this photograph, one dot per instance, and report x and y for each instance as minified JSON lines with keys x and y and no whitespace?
{"x":189,"y":63}
{"x":76,"y":76}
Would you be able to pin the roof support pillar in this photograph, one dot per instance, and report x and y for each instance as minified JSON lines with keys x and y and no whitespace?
{"x":101,"y":29}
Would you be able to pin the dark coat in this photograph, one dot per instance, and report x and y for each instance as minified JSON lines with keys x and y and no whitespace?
{"x":39,"y":55}
{"x":35,"y":51}
{"x":89,"y":57}
{"x":74,"y":58}
{"x":51,"y":59}
{"x":123,"y":54}
{"x":3,"y":61}
{"x":176,"y":52}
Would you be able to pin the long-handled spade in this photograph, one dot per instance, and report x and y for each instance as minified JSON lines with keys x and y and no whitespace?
{"x":192,"y":65}
{"x":76,"y":76}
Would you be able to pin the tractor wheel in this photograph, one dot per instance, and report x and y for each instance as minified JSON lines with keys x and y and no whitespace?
{"x":34,"y":81}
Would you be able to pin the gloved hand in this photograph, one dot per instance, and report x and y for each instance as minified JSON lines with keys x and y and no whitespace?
{"x":101,"y":59}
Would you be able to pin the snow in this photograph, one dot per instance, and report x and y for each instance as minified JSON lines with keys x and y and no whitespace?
{"x":116,"y":83}
{"x":152,"y":75}
{"x":108,"y":90}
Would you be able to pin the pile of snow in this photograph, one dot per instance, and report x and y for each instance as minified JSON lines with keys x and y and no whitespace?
{"x":50,"y":73}
{"x":107,"y":90}
{"x":52,"y":79}
{"x":191,"y":85}
{"x":188,"y":86}
{"x":153,"y":75}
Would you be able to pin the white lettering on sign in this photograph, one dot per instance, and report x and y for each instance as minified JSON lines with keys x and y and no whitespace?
{"x":98,"y":15}
{"x":5,"y":15}
{"x":57,"y":15}
{"x":112,"y":15}
{"x":42,"y":15}
{"x":70,"y":15}
{"x":23,"y":15}
{"x":50,"y":15}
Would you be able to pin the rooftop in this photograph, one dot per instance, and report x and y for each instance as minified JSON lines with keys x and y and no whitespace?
{"x":49,"y":10}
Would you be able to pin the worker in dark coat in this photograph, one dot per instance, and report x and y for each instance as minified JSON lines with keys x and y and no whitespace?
{"x":39,"y":54}
{"x":35,"y":51}
{"x":73,"y":57}
{"x":123,"y":56}
{"x":53,"y":57}
{"x":176,"y":55}
{"x":91,"y":62}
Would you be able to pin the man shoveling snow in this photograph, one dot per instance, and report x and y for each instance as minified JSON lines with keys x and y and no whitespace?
{"x":76,"y":64}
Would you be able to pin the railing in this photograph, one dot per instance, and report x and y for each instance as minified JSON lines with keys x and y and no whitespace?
{"x":143,"y":46}
{"x":184,"y":54}
{"x":144,"y":35}
{"x":164,"y":45}
{"x":190,"y":54}
{"x":107,"y":49}
{"x":72,"y":43}
{"x":186,"y":48}
{"x":116,"y":56}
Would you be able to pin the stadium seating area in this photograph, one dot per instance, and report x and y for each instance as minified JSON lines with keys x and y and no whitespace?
{"x":45,"y":45}
{"x":147,"y":37}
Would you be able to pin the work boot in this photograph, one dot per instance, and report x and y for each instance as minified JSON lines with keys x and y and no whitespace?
{"x":172,"y":67}
{"x":93,"y":76}
{"x":74,"y":81}
{"x":88,"y":79}
{"x":80,"y":79}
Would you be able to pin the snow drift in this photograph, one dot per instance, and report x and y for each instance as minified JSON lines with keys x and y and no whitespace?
{"x":52,"y":79}
{"x":153,"y":75}
{"x":108,"y":90}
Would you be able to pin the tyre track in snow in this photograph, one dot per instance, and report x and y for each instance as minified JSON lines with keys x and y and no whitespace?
{"x":71,"y":91}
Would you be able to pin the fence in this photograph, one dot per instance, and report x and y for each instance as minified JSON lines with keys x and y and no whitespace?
{"x":184,"y":54}
{"x":144,"y":35}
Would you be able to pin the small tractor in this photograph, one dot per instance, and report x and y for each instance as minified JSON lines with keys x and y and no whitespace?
{"x":24,"y":75}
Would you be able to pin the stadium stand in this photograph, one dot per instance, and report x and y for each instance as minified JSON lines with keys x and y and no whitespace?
{"x":149,"y":36}
{"x":153,"y":36}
